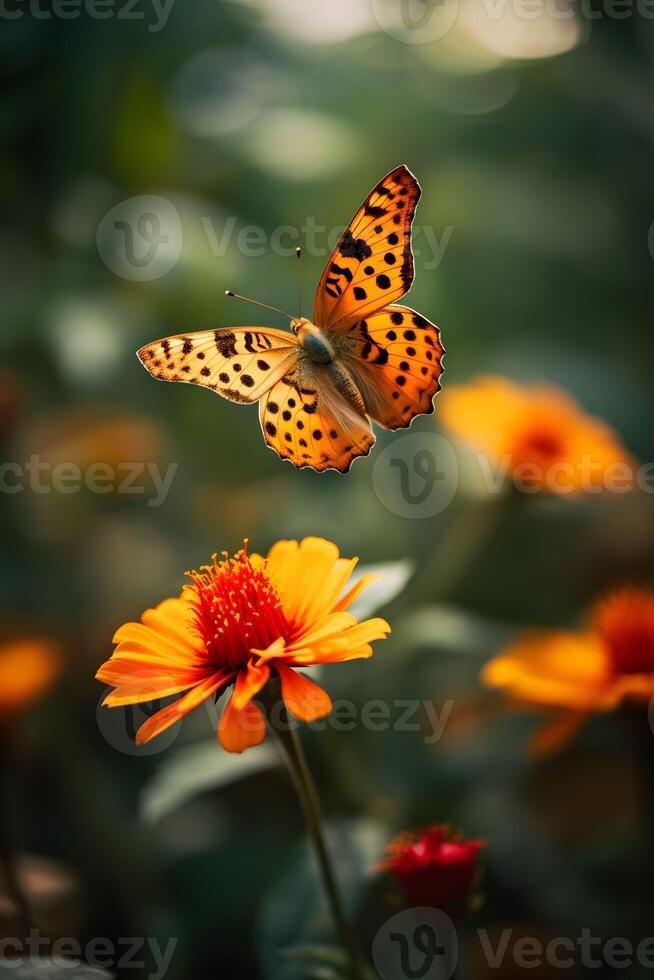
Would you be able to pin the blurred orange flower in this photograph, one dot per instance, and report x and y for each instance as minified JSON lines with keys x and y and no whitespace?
{"x":240,"y":621}
{"x":434,"y":867}
{"x":537,"y":434}
{"x":597,"y":669}
{"x":27,"y":668}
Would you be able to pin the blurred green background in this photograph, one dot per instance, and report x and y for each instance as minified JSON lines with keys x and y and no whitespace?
{"x":532,"y":140}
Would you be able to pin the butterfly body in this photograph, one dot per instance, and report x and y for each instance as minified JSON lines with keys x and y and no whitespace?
{"x":362,"y":356}
{"x":313,"y":340}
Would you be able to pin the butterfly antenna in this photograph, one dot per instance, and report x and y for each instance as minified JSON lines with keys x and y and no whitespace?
{"x":265,"y":306}
{"x":298,"y":252}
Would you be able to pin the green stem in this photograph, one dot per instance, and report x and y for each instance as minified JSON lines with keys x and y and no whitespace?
{"x":639,"y":720}
{"x":285,"y":733}
{"x":464,"y":538}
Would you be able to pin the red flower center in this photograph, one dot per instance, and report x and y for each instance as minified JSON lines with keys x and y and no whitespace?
{"x":236,"y":609}
{"x":541,"y":445}
{"x":626,"y":623}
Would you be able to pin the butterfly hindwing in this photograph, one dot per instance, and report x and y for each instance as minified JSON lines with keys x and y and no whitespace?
{"x":372,"y":265}
{"x":396,"y":363}
{"x":304,"y":418}
{"x":239,"y":363}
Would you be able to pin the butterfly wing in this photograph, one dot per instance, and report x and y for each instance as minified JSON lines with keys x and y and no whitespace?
{"x":306,"y":419}
{"x":239,"y":363}
{"x":396,"y":363}
{"x":372,"y":265}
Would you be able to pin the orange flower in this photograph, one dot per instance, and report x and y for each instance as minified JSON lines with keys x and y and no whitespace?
{"x":239,"y":621}
{"x":538,"y":435}
{"x":27,"y":668}
{"x":577,"y":674}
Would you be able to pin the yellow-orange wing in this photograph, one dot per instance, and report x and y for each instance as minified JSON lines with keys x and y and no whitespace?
{"x":372,"y":265}
{"x":239,"y":363}
{"x":395,"y":361}
{"x":304,"y":418}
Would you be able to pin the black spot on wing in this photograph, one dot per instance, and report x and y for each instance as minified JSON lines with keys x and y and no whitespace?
{"x":354,"y":248}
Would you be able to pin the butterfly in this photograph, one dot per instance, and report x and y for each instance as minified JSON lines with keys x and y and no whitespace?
{"x":362,"y":357}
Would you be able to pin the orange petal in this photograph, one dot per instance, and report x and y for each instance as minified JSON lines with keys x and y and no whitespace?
{"x":554,"y":734}
{"x":302,"y":574}
{"x":302,"y":697}
{"x":27,"y":668}
{"x":174,"y":712}
{"x":248,"y":684}
{"x":570,"y":670}
{"x":239,"y":730}
{"x":174,"y":618}
{"x":173,"y":650}
{"x":346,"y":601}
{"x":275,"y":649}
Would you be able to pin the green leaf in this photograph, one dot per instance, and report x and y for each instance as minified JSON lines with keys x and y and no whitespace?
{"x":34,"y":969}
{"x":196,"y":769}
{"x":393,"y":580}
{"x":452,"y":630}
{"x":294,"y":915}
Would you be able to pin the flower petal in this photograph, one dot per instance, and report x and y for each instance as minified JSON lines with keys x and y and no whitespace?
{"x":238,"y":730}
{"x":174,"y":618}
{"x":346,"y":601}
{"x":249,"y":683}
{"x":173,"y":650}
{"x":554,"y":734}
{"x":304,"y":699}
{"x":301,"y":574}
{"x":172,"y":713}
{"x":554,"y":668}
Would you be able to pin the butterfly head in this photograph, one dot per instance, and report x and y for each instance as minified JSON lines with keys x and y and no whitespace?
{"x":313,"y":340}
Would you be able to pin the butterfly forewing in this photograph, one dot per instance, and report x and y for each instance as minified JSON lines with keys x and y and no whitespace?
{"x":396,"y":364}
{"x":239,"y":363}
{"x":372,"y":265}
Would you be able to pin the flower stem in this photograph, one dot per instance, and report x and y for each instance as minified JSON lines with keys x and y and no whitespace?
{"x":284,"y":730}
{"x":464,"y":538}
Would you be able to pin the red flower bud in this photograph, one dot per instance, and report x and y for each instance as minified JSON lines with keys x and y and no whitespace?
{"x":434,"y":867}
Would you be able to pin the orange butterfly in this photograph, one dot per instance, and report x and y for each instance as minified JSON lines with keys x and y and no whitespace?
{"x":363,"y":357}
